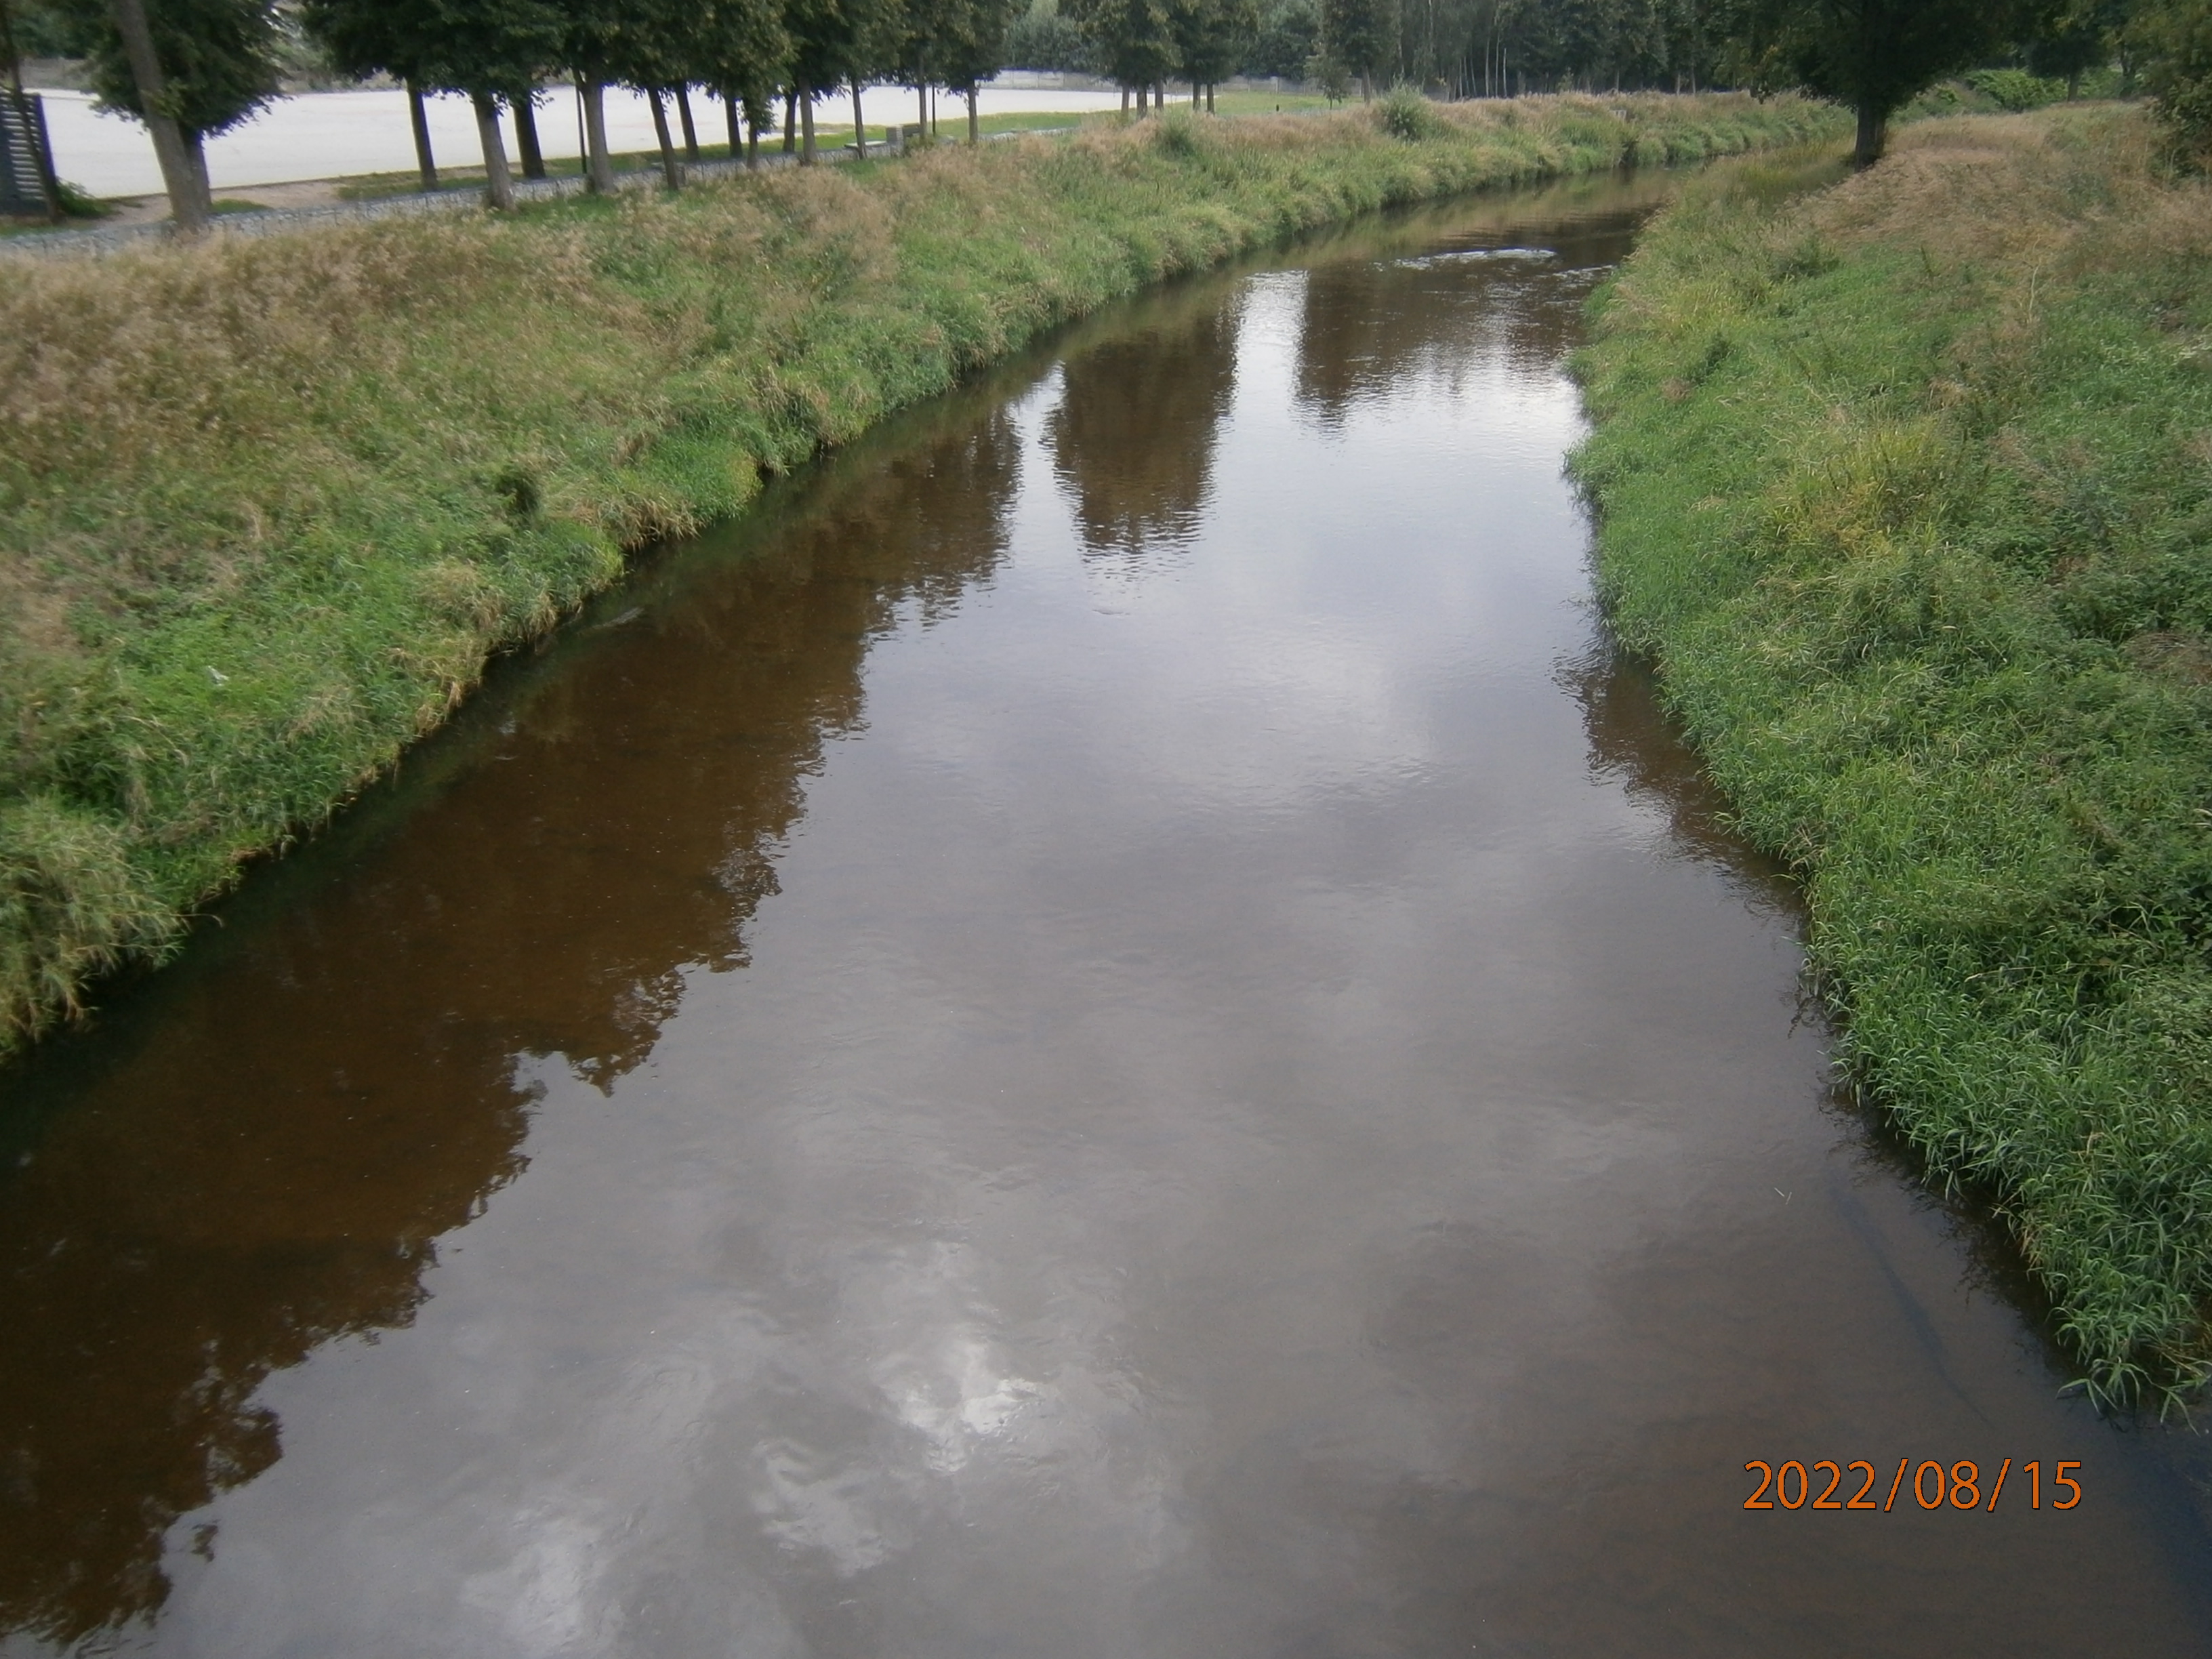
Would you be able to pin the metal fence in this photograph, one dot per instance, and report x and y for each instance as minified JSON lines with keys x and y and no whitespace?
{"x":26,"y":173}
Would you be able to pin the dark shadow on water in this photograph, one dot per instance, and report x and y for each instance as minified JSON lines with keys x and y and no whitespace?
{"x":255,"y":1153}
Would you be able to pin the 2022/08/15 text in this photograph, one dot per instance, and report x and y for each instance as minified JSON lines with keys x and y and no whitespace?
{"x":1958,"y":1486}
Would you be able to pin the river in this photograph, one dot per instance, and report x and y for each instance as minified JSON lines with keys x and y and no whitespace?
{"x":1111,"y":1030}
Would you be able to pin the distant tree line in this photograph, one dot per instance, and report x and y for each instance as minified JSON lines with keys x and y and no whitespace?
{"x":192,"y":68}
{"x":1875,"y":55}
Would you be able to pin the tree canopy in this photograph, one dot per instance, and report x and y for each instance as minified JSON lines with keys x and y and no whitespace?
{"x":1872,"y":55}
{"x":1362,"y":36}
{"x":220,"y":60}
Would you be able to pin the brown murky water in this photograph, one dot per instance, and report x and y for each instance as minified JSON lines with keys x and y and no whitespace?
{"x":1112,"y":1032}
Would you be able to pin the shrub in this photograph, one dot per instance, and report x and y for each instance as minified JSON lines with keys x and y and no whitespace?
{"x":2176,"y":40}
{"x":1404,"y":114}
{"x":2016,"y":89}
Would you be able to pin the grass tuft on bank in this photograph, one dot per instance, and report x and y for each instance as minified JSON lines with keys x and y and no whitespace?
{"x":268,"y":505}
{"x":1905,"y":484}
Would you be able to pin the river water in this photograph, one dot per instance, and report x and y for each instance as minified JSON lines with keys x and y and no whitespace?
{"x":1109,"y":1031}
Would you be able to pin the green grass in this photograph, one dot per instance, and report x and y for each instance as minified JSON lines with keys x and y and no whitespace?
{"x":268,"y":504}
{"x":1905,"y":484}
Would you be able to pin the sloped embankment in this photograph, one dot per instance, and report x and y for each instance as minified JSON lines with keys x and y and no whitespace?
{"x":1906,"y":485}
{"x":267,"y":505}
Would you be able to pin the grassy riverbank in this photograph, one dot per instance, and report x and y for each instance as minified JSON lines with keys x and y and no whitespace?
{"x":267,"y":505}
{"x":1906,"y":484}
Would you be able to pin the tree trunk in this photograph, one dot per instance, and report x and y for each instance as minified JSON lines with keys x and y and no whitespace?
{"x":1125,"y":103}
{"x":1143,"y":93}
{"x":598,"y":166}
{"x":668,"y":172}
{"x":420,"y":119}
{"x":1366,"y":88}
{"x":188,"y":205}
{"x":806,"y":130}
{"x":737,"y":134}
{"x":1209,"y":97}
{"x":975,"y":123}
{"x":690,"y":132}
{"x":196,"y":154}
{"x":790,"y":121}
{"x":921,"y":94}
{"x":499,"y":188}
{"x":526,"y":139}
{"x":859,"y":126}
{"x":1874,"y":134}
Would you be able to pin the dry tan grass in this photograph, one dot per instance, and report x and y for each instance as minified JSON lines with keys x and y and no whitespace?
{"x":2072,"y":190}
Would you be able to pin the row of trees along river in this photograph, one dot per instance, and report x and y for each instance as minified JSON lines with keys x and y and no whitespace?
{"x":192,"y":68}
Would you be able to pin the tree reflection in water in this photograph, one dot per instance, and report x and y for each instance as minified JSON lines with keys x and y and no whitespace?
{"x":186,"y":1215}
{"x":1373,"y":328}
{"x":1132,"y":436}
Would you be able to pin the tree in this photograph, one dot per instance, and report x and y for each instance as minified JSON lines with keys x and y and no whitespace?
{"x":836,"y":43}
{"x":1132,"y":39}
{"x":1870,"y":55}
{"x":957,"y":45}
{"x":744,"y":53}
{"x":491,"y":51}
{"x":1289,"y":33}
{"x":189,"y":70}
{"x":590,"y":51}
{"x":2068,"y":38}
{"x":1361,"y":36}
{"x":1041,"y":40}
{"x":362,"y":38}
{"x":1210,"y":36}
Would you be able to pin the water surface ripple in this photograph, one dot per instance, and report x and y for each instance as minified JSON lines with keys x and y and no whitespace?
{"x":1112,"y":1031}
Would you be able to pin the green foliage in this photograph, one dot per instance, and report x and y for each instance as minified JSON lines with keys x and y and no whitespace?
{"x":1362,"y":36}
{"x":1040,"y":39}
{"x":1329,"y":74}
{"x":742,"y":50}
{"x":1404,"y":114}
{"x":221,"y":59}
{"x":2175,"y":38}
{"x":1211,"y":36}
{"x":268,"y":503}
{"x":1904,"y":486}
{"x":2068,"y":39}
{"x":72,"y":905}
{"x":47,"y":29}
{"x":1288,"y":34}
{"x":1130,"y":39}
{"x":2015,"y":90}
{"x":1176,"y":134}
{"x":495,"y":47}
{"x":1871,"y":56}
{"x":955,"y":44}
{"x":76,"y":203}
